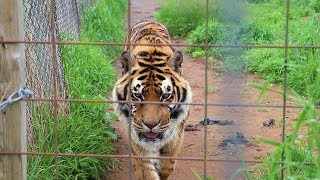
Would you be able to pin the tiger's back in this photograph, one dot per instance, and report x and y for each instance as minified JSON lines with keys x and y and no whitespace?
{"x":152,"y":72}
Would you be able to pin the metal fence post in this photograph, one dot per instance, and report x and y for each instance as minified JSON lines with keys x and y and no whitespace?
{"x":12,"y":78}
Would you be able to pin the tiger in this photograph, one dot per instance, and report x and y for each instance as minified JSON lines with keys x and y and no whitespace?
{"x":152,"y":73}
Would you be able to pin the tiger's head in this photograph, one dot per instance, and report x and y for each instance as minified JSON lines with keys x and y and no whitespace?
{"x":153,"y":86}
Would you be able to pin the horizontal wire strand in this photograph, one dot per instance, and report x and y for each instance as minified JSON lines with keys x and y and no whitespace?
{"x":171,"y":44}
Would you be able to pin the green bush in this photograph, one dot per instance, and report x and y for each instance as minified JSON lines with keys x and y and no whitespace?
{"x":183,"y":16}
{"x":269,"y":63}
{"x":85,"y":128}
{"x":252,"y":33}
{"x":216,"y":35}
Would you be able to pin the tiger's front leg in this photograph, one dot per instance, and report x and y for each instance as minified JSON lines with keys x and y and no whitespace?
{"x":170,"y":150}
{"x":144,"y":169}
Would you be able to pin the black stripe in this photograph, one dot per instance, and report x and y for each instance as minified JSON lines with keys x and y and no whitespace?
{"x":125,"y":91}
{"x":160,"y":77}
{"x":146,"y":59}
{"x":160,"y":65}
{"x":144,"y":70}
{"x":133,"y":72}
{"x":173,"y":82}
{"x":184,"y":95}
{"x":158,"y":53}
{"x":145,"y":32}
{"x":143,"y":53}
{"x":120,"y":98}
{"x":142,"y":77}
{"x":143,"y":64}
{"x":159,"y":70}
{"x":178,"y":93}
{"x":125,"y":112}
{"x":157,"y":59}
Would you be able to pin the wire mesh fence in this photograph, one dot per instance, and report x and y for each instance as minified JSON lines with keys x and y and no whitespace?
{"x":46,"y":76}
{"x":39,"y":63}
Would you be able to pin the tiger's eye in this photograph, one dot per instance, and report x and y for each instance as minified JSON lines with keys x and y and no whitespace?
{"x":166,"y":96}
{"x":138,"y":96}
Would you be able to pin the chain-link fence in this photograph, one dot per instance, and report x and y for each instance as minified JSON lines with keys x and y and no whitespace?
{"x":39,"y":64}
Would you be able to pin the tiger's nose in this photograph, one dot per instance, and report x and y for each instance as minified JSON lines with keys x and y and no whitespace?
{"x":152,"y":124}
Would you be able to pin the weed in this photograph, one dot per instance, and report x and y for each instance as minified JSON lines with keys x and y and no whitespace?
{"x":201,"y":178}
{"x":210,"y":89}
{"x":269,"y":100}
{"x":264,"y":109}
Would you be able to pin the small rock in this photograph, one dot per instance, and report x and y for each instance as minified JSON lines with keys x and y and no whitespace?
{"x":191,"y":127}
{"x":268,"y":123}
{"x":208,"y":121}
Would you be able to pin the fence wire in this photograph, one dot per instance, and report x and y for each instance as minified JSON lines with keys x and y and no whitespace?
{"x":41,"y":69}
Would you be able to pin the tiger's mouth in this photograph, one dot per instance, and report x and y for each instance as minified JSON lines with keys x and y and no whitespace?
{"x":150,"y":136}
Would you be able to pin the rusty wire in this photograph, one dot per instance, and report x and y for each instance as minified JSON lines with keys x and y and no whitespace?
{"x":285,"y":67}
{"x":205,"y":146}
{"x":129,"y":156}
{"x":129,"y":44}
{"x":55,"y":88}
{"x":171,"y":44}
{"x":152,"y":102}
{"x":126,"y":156}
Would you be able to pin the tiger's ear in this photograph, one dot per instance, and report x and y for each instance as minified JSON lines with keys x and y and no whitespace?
{"x":124,"y":60}
{"x":177,"y":59}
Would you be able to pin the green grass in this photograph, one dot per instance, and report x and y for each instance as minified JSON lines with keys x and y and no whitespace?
{"x":85,"y":127}
{"x":263,"y":22}
{"x":301,"y":62}
{"x":300,"y":148}
{"x":76,"y":135}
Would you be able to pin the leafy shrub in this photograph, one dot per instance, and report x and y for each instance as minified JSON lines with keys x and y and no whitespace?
{"x":183,"y":16}
{"x":269,"y":63}
{"x":251,"y":33}
{"x":216,"y":35}
{"x":266,"y":62}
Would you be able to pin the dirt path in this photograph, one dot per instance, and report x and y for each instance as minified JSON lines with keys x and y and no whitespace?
{"x":225,"y":142}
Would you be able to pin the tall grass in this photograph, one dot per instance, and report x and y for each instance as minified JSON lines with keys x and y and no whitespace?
{"x":85,"y":128}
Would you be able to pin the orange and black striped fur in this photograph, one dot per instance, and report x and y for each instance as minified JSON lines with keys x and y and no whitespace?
{"x":152,"y":73}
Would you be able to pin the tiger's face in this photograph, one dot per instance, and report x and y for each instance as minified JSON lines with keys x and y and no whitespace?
{"x":151,"y":121}
{"x":153,"y":90}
